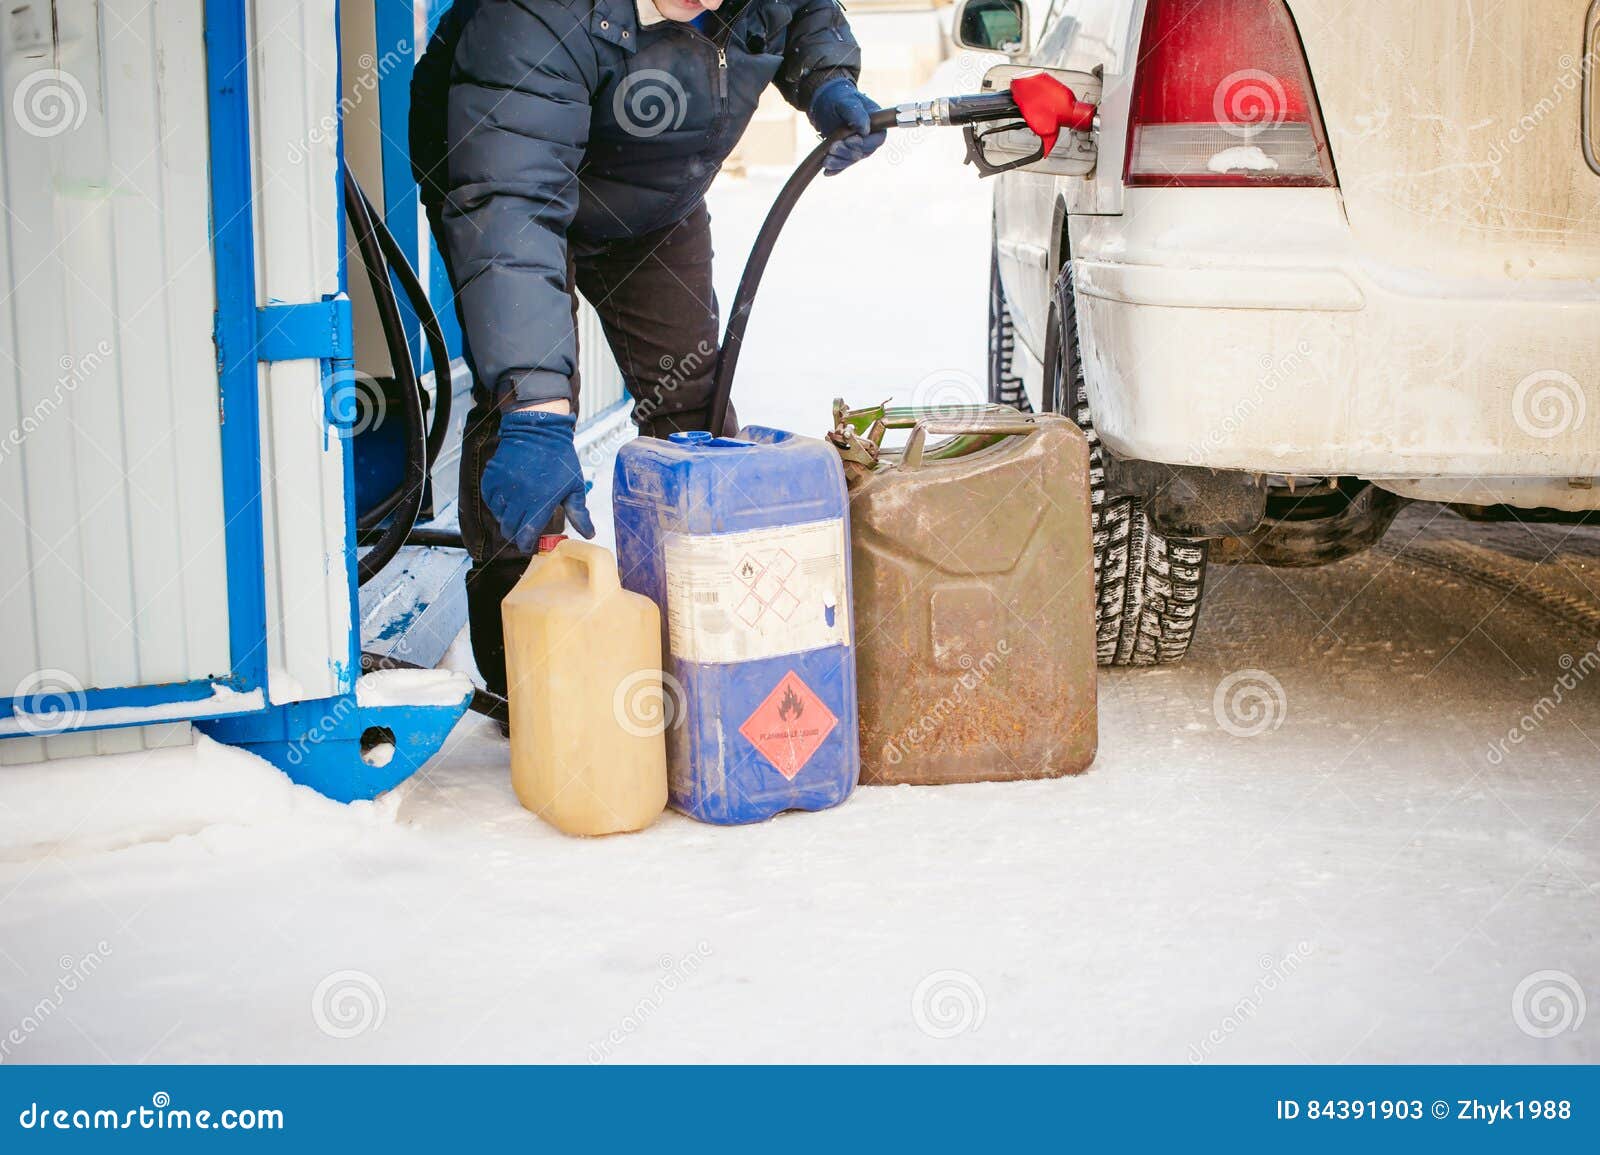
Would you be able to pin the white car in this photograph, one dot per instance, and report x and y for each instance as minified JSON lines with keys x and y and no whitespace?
{"x":1328,"y":256}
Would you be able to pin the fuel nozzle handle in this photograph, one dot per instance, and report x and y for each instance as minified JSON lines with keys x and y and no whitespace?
{"x":1042,"y":102}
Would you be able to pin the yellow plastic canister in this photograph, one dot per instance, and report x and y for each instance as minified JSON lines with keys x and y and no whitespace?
{"x":583,"y":661}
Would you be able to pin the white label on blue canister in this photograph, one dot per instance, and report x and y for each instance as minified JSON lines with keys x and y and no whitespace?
{"x":733,"y":597}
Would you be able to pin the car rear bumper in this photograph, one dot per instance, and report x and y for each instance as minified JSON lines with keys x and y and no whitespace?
{"x":1299,"y":356}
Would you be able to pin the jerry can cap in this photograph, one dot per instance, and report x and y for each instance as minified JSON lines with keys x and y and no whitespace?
{"x":549,"y":541}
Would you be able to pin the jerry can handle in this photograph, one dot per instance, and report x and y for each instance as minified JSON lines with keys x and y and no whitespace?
{"x":983,"y":426}
{"x":598,"y":566}
{"x":872,"y":422}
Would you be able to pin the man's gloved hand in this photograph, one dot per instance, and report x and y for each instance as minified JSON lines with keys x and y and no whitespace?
{"x":840,"y":104}
{"x":535,"y":471}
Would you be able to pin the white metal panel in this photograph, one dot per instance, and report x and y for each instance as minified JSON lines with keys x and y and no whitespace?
{"x":294,"y":86}
{"x":110,"y":464}
{"x":599,"y":379}
{"x":23,"y":751}
{"x":363,"y":152}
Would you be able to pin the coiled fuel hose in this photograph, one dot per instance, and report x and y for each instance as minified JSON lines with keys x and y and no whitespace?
{"x":380,"y":256}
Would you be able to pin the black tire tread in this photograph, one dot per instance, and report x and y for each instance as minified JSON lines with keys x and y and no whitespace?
{"x":1006,"y":386}
{"x":1148,"y":587}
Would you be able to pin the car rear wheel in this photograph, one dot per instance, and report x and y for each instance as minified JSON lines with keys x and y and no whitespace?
{"x":1148,"y":586}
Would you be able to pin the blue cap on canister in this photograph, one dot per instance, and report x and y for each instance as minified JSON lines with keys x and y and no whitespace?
{"x":691,"y":437}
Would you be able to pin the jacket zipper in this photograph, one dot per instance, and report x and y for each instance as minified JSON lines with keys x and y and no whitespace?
{"x":720,"y":47}
{"x":722,"y":59}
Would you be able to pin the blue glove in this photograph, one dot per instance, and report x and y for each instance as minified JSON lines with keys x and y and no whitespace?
{"x":534,"y":472}
{"x":840,"y":104}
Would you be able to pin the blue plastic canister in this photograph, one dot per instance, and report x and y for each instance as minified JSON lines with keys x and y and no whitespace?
{"x":744,"y":544}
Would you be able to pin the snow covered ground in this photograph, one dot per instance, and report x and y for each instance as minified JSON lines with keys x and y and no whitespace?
{"x":1315,"y":841}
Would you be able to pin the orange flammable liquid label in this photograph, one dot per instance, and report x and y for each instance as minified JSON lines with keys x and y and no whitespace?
{"x":789,"y":726}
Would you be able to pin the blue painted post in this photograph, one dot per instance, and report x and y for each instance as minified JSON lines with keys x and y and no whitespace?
{"x":394,"y":62}
{"x":233,"y":242}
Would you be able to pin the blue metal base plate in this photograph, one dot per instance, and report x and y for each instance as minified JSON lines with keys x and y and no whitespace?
{"x":340,"y":748}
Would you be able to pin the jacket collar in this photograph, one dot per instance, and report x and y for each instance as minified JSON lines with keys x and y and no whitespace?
{"x":618,"y":22}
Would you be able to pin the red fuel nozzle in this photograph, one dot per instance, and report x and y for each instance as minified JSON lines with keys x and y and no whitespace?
{"x":1047,"y":106}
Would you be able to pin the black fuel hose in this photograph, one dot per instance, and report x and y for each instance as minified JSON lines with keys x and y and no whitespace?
{"x":438,"y":538}
{"x":408,"y":503}
{"x":443,"y":378}
{"x":756,"y":263}
{"x":956,"y":110}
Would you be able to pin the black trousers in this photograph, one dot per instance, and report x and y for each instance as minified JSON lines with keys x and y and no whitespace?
{"x":657,"y":307}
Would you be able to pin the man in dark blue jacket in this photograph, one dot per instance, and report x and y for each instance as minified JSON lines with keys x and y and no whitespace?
{"x":565,"y":144}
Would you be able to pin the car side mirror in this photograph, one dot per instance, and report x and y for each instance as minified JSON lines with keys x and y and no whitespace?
{"x":992,"y":26}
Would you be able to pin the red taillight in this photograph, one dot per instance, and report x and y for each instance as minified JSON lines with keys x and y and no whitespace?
{"x":1222,"y":97}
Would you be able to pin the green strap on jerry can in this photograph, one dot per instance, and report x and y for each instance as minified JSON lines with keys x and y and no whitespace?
{"x":858,"y":433}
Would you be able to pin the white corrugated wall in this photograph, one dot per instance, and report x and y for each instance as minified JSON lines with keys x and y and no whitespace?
{"x":111,"y":521}
{"x":294,"y":88}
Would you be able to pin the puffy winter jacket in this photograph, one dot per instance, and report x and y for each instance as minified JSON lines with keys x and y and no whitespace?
{"x":567,"y":115}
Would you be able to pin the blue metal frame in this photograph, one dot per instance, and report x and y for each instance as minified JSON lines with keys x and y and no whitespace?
{"x":320,"y":329}
{"x":322,"y":743}
{"x":395,"y":26}
{"x":126,"y":697}
{"x":233,"y":244}
{"x":341,"y":368}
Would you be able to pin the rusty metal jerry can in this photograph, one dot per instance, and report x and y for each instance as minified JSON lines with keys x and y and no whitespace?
{"x":974,"y":594}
